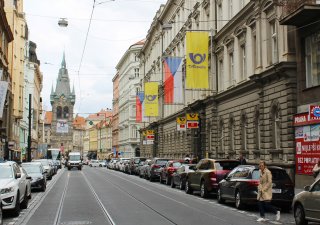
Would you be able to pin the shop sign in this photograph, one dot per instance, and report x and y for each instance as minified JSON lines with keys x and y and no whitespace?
{"x":314,"y":112}
{"x":304,"y":119}
{"x":181,"y":123}
{"x":307,"y":148}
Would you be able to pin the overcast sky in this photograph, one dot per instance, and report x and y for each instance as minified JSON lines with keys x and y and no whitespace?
{"x":115,"y":26}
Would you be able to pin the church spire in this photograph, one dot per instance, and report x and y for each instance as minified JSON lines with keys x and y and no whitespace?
{"x":63,"y":63}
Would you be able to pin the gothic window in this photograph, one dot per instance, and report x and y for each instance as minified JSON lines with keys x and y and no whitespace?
{"x":59,"y":112}
{"x":66,"y":112}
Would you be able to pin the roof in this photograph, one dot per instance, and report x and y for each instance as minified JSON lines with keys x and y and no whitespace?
{"x":79,"y":122}
{"x":48,"y":118}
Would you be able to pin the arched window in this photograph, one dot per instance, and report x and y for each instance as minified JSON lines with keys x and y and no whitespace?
{"x":66,"y":112}
{"x":59,"y":112}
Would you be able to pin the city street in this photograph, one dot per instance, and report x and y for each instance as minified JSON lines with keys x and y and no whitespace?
{"x":102,"y":196}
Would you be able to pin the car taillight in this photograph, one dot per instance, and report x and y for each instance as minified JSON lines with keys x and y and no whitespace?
{"x":155,"y":166}
{"x":254,"y":183}
{"x":213,"y":176}
{"x":171,"y":170}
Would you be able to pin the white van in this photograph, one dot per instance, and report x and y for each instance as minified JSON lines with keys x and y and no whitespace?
{"x":74,"y":160}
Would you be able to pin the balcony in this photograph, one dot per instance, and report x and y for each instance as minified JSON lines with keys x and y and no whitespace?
{"x":299,"y":12}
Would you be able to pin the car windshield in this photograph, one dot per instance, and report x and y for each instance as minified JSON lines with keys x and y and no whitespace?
{"x":74,"y":157}
{"x":161,"y":162}
{"x":226,"y":165}
{"x":277,"y":174}
{"x":5,"y":172}
{"x":176,"y":164}
{"x":32,"y":168}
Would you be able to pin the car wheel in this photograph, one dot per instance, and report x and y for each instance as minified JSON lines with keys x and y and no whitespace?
{"x":151,"y":179}
{"x":16,"y":210}
{"x":100,"y":165}
{"x":238,"y":200}
{"x":172,"y":183}
{"x":299,"y":215}
{"x":25,"y":201}
{"x":203,"y":190}
{"x":188,"y":188}
{"x":219,"y":197}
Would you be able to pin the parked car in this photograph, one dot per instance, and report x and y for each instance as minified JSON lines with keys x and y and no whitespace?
{"x":153,"y":171}
{"x":122,"y":165}
{"x":94,"y":163}
{"x":241,"y":186}
{"x":119,"y":163}
{"x":143,"y":168}
{"x":47,"y":168}
{"x":179,"y":177}
{"x":134,"y":163}
{"x":306,"y":204}
{"x":38,"y":175}
{"x":13,"y":188}
{"x":102,"y":163}
{"x":28,"y":181}
{"x":208,"y":174}
{"x":167,"y":171}
{"x":1,"y":212}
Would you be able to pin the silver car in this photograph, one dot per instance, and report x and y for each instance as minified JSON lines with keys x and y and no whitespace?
{"x":306,"y":204}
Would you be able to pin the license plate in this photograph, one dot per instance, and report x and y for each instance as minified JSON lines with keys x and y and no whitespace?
{"x":277,"y":191}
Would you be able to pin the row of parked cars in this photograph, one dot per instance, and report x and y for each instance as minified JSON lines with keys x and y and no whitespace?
{"x":17,"y":181}
{"x":228,"y":181}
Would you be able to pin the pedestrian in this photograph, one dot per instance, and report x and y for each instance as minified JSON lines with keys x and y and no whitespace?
{"x":242,"y":160}
{"x":316,"y":171}
{"x":265,"y":193}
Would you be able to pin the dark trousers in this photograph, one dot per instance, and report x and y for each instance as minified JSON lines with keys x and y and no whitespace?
{"x":266,"y":206}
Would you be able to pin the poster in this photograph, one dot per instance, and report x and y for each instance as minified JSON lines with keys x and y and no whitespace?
{"x":62,"y":126}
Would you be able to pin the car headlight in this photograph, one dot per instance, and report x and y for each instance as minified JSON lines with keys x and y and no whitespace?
{"x":6,"y":190}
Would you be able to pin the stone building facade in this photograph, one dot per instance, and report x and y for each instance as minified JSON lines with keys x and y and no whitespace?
{"x":62,"y":100}
{"x":252,"y":99}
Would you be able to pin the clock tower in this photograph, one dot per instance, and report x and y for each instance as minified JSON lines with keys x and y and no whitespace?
{"x":62,"y":100}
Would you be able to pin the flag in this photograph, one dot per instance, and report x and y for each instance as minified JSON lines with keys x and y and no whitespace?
{"x":197,"y":60}
{"x":139,"y":102}
{"x":173,"y":91}
{"x":151,"y":107}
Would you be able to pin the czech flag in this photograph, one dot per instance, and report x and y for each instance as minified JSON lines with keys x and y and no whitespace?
{"x":139,"y":103}
{"x":173,"y":91}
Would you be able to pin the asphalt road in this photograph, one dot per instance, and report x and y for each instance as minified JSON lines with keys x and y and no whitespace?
{"x":101,"y":196}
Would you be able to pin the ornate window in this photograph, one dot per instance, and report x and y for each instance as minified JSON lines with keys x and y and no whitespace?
{"x":275,"y":125}
{"x":221,"y":136}
{"x":66,"y":112}
{"x":257,"y":130}
{"x":231,"y":133}
{"x":59,"y":112}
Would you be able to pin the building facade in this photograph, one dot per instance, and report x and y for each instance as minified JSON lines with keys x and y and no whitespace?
{"x":79,"y":125}
{"x":16,"y":59}
{"x":129,"y":86}
{"x":62,"y":100}
{"x":251,"y":101}
{"x":115,"y":115}
{"x":6,"y":85}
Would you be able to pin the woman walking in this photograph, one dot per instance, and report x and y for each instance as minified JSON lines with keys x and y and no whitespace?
{"x":265,"y":193}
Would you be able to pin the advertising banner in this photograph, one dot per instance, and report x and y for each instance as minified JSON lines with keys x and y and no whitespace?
{"x":197,"y":60}
{"x":314,"y":112}
{"x":151,"y":99}
{"x":307,"y":146}
{"x":62,"y":126}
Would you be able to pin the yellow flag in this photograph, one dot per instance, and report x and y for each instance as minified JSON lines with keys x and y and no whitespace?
{"x":192,"y":116}
{"x":151,"y":107}
{"x":197,"y":60}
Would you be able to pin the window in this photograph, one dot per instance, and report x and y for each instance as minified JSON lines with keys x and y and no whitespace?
{"x":231,"y":70}
{"x":276,"y":127}
{"x":274,"y":42}
{"x":244,"y":126}
{"x":243,"y":62}
{"x":221,"y":136}
{"x":59,"y":112}
{"x":136,"y":72}
{"x":221,"y":77}
{"x":66,"y":112}
{"x":254,"y":52}
{"x":231,"y":134}
{"x":230,"y":9}
{"x":312,"y":60}
{"x":220,"y":18}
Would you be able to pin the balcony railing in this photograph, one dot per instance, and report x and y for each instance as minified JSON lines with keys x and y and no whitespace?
{"x":289,"y":6}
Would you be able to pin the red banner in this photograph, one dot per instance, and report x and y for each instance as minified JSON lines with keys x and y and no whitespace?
{"x":307,"y":148}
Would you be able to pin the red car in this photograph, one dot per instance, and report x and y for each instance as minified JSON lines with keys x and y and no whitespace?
{"x":168,"y":170}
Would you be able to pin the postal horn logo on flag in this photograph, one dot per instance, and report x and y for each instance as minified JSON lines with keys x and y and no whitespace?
{"x":197,"y":71}
{"x":151,"y":107}
{"x":192,"y":117}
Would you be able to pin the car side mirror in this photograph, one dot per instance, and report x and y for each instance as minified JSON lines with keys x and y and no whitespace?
{"x":18,"y":175}
{"x":29,"y":178}
{"x":307,"y":188}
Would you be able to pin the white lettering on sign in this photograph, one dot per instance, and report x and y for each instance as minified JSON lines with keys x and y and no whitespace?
{"x":300,"y":119}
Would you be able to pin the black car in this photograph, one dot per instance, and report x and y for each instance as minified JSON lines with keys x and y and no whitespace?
{"x":37,"y":173}
{"x":179,"y":177}
{"x":241,"y":186}
{"x":155,"y":168}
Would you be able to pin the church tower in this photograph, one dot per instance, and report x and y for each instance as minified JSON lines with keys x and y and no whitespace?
{"x":62,"y":100}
